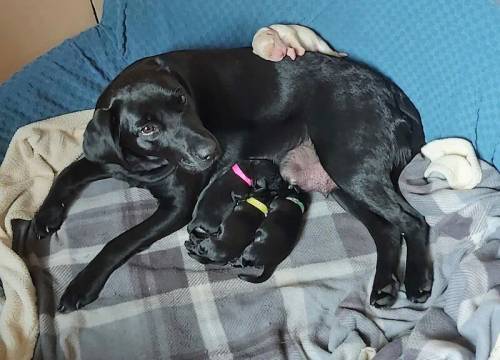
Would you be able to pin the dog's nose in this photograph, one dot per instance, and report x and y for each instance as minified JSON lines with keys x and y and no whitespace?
{"x":206,"y":151}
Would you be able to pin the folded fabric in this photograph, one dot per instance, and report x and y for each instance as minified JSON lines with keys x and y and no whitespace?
{"x":460,"y":320}
{"x":35,"y":155}
{"x":455,"y":160}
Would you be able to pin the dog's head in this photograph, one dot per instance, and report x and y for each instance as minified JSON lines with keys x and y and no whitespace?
{"x":145,"y":119}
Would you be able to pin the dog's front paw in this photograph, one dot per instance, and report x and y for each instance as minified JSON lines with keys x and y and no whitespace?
{"x":48,"y":220}
{"x":78,"y":294}
{"x":384,"y":294}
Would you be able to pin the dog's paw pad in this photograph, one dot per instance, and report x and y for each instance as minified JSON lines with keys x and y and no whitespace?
{"x":47,"y":221}
{"x":420,"y":297}
{"x":61,"y":308}
{"x":419,"y":289}
{"x":385,"y":296}
{"x":421,"y":294}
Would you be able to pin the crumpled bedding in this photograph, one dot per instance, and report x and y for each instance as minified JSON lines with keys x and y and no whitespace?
{"x":461,"y":320}
{"x":36,"y":154}
{"x":162,"y":304}
{"x":442,"y":54}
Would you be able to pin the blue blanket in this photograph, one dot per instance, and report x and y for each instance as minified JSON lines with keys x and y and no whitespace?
{"x":444,"y":55}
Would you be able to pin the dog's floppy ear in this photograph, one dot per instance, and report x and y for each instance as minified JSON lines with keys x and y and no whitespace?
{"x":163,"y":66}
{"x":101,"y":138}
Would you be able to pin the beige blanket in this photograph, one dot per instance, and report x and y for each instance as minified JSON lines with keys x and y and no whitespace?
{"x":35,"y":155}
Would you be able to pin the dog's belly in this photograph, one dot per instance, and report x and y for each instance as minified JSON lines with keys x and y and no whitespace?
{"x":301,"y":167}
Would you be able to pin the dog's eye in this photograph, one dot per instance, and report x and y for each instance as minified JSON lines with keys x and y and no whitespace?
{"x":149,"y":129}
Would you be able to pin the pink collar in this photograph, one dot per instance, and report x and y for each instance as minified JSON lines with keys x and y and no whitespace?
{"x":237,"y":170}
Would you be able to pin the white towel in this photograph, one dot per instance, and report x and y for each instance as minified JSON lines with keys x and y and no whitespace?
{"x":455,"y":160}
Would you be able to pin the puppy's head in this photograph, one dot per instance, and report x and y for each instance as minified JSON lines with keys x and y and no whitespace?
{"x":146,"y":118}
{"x":265,"y":174}
{"x":268,"y":45}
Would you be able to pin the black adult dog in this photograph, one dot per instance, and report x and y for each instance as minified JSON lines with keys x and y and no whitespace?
{"x":168,"y":121}
{"x":277,"y":235}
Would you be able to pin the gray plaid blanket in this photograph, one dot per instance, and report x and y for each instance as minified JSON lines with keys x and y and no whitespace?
{"x":163,"y":305}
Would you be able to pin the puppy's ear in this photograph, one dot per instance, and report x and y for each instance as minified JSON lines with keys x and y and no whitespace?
{"x":236,"y":197}
{"x":101,"y":138}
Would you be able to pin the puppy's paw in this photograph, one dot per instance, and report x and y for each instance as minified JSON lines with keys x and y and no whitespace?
{"x":384,"y":295}
{"x":418,"y":284}
{"x":48,"y":220}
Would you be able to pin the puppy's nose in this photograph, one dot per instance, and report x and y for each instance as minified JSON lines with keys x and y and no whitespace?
{"x":206,"y":151}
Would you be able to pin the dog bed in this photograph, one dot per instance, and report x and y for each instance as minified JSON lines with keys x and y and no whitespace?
{"x":162,"y":304}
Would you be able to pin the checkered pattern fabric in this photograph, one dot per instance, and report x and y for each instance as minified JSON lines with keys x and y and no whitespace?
{"x":163,"y":304}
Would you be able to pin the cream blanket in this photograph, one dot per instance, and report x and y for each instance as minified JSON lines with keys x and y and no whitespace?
{"x":455,"y":160}
{"x":35,"y":155}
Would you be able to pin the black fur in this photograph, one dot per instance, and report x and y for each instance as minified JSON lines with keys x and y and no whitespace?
{"x":236,"y":231}
{"x":168,"y":122}
{"x":219,"y":197}
{"x":277,"y":235}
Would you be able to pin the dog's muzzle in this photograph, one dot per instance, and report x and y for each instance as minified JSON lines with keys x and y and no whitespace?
{"x":202,"y":156}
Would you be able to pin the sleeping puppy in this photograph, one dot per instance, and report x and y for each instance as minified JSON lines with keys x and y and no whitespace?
{"x":235,"y":232}
{"x":277,"y":41}
{"x":277,"y":236}
{"x":218,"y":198}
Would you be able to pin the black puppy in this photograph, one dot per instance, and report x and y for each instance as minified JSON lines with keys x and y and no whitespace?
{"x":218,"y":198}
{"x":236,"y":231}
{"x":277,"y":235}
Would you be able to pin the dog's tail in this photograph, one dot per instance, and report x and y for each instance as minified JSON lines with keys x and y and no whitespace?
{"x":410,"y":132}
{"x":266,"y":274}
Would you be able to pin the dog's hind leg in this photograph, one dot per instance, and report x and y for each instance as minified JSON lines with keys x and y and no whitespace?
{"x":419,"y":270}
{"x":380,"y":198}
{"x":415,"y":231}
{"x":387,"y":239}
